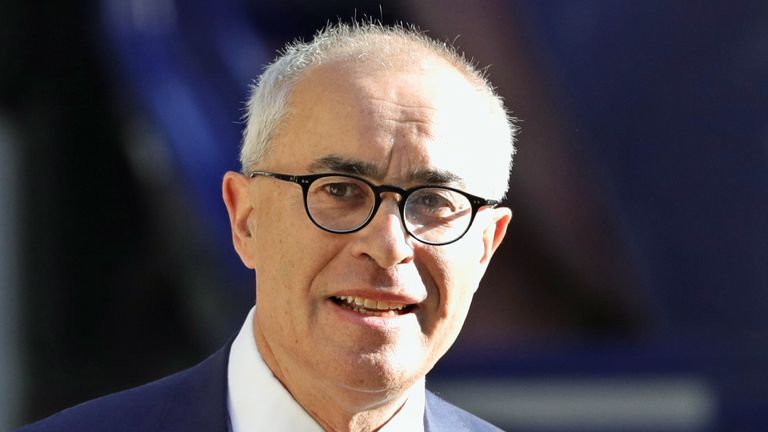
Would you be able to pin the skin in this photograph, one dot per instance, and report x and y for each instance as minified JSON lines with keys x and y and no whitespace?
{"x":395,"y":125}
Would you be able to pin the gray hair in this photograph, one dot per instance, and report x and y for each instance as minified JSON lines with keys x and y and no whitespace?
{"x":268,"y":102}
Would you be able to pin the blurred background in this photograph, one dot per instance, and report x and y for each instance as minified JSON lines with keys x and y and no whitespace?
{"x":631,"y":293}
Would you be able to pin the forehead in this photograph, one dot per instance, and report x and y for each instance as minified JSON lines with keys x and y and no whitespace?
{"x":406,"y":116}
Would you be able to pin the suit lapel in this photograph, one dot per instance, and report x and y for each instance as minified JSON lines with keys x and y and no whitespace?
{"x":201,"y":397}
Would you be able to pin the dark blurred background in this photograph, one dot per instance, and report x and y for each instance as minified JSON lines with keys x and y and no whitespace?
{"x":630,"y":295}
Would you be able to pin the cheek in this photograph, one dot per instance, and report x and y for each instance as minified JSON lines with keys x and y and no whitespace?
{"x":462,"y":270}
{"x":289,"y":264}
{"x":290,"y":255}
{"x":278,"y":275}
{"x":280,"y":233}
{"x":456,"y":271}
{"x":463,"y":260}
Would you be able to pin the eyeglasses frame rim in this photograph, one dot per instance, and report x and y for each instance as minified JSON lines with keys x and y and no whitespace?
{"x":305,"y":181}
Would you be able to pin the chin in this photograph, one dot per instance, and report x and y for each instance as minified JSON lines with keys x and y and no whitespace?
{"x":380,"y":373}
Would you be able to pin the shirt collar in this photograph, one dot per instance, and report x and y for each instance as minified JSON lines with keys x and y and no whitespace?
{"x":257,"y":400}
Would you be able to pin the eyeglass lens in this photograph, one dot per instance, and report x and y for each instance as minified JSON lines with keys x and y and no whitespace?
{"x":434,"y":215}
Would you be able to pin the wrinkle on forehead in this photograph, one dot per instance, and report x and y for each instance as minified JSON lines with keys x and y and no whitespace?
{"x":418,"y":120}
{"x":403,"y":107}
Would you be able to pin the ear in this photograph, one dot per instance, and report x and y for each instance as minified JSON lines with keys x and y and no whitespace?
{"x":234,"y":190}
{"x":494,"y":232}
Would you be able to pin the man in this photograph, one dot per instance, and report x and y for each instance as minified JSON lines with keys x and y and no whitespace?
{"x":373,"y":160}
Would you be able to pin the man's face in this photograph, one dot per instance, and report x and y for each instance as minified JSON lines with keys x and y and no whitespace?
{"x":398,"y":125}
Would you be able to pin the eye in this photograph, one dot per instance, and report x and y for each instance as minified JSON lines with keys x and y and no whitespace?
{"x":434,"y":203}
{"x":342,"y":189}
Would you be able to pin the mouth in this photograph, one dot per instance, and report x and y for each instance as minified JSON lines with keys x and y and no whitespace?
{"x":366,"y":306}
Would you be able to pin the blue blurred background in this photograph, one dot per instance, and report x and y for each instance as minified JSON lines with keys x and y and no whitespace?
{"x":630,"y":295}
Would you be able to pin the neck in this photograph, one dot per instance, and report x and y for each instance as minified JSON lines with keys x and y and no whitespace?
{"x":334,"y":407}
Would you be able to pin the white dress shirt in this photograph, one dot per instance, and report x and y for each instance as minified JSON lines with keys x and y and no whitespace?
{"x":258,"y":401}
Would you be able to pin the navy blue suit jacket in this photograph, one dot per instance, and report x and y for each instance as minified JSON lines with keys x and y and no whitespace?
{"x":196,"y":400}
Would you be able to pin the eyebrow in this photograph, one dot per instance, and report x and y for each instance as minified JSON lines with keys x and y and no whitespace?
{"x":343,"y":165}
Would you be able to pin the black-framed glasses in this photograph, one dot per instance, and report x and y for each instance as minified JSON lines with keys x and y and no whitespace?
{"x":342,"y":204}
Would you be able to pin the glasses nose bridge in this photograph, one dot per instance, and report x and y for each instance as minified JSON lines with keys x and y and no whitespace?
{"x":401,"y":193}
{"x":380,"y":190}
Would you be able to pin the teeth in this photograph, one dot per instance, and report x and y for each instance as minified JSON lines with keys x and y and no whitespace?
{"x":360,"y":302}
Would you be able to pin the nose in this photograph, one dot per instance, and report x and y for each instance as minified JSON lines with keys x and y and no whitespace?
{"x":384,"y":240}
